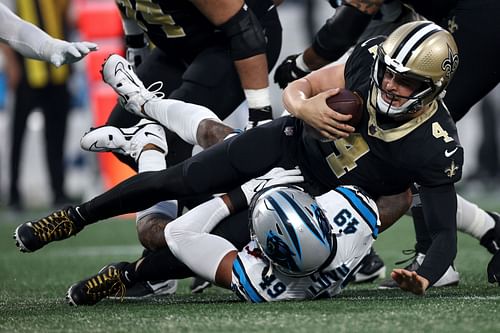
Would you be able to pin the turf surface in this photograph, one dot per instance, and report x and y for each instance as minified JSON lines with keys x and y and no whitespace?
{"x":32,"y":289}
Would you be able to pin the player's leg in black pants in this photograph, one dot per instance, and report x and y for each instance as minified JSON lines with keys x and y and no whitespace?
{"x":24,"y":103}
{"x":215,"y":170}
{"x":56,"y":106}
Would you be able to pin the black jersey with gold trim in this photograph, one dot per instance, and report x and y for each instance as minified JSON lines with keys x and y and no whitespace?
{"x":177,"y":25}
{"x":384,"y":157}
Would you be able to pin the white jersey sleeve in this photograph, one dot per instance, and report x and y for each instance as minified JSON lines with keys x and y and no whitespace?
{"x":353,"y":216}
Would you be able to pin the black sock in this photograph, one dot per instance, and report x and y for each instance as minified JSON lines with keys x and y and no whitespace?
{"x":424,"y":240}
{"x":129,"y":276}
{"x":161,"y":265}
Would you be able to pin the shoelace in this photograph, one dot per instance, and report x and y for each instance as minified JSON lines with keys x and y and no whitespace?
{"x":97,"y":286}
{"x":407,"y":252}
{"x":54,"y":226}
{"x":156,"y":93}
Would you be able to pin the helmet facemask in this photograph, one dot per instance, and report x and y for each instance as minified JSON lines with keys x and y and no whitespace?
{"x":423,"y":87}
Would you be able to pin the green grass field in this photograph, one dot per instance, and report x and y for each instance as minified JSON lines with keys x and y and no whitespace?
{"x":33,"y":286}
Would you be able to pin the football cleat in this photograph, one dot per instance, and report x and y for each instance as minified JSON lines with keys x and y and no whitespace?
{"x":491,"y":239}
{"x":119,"y":74}
{"x":33,"y":235}
{"x":146,"y":289}
{"x":372,"y":268}
{"x":125,"y":141}
{"x":198,"y":285}
{"x":493,"y":269}
{"x":109,"y":281}
{"x":450,"y":278}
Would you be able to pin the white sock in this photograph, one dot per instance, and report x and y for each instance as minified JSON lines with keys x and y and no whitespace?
{"x":471,"y":219}
{"x":179,"y":117}
{"x":153,"y":160}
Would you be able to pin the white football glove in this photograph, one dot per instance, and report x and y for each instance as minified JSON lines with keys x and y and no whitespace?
{"x":276,"y":176}
{"x":60,"y":52}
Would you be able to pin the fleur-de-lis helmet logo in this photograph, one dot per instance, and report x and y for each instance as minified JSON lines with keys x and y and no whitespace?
{"x":450,"y":64}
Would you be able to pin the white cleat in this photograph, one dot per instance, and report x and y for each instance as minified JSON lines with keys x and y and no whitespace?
{"x":450,"y":278}
{"x":119,"y":74}
{"x":126,"y":141}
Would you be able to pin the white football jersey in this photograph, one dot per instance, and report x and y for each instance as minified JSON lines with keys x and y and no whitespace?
{"x":354,"y":218}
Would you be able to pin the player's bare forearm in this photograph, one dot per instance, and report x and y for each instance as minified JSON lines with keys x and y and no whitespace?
{"x":392,"y":207}
{"x":253,"y":72}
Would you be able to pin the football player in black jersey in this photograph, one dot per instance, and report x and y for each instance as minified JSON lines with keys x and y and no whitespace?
{"x":460,"y":17}
{"x":215,"y":56}
{"x":354,"y":18}
{"x":402,"y":113}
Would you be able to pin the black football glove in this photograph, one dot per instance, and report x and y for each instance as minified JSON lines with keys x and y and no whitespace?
{"x":288,"y":71}
{"x":259,"y":116}
{"x":135,"y":56}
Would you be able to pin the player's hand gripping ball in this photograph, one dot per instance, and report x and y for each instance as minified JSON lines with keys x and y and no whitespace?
{"x":347,"y":102}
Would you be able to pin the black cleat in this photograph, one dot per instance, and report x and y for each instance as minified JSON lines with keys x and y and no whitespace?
{"x":494,"y":269}
{"x":33,"y":235}
{"x":107,"y":283}
{"x":491,"y":239}
{"x":146,"y":289}
{"x":198,"y":285}
{"x":372,"y":268}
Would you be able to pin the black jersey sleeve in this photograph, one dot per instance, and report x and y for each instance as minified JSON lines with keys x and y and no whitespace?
{"x":359,"y":64}
{"x":439,"y":156}
{"x":440,"y":208}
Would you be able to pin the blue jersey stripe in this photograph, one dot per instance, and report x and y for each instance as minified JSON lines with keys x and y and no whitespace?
{"x":361,"y":207}
{"x":239,"y":271}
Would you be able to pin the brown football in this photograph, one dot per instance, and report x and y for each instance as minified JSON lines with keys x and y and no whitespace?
{"x":347,"y":102}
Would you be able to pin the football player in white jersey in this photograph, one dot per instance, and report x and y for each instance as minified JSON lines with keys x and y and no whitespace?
{"x":301,"y":248}
{"x":260,"y":273}
{"x":32,"y":42}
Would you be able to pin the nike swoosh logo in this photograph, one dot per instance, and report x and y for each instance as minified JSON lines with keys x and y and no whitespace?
{"x":126,"y":276}
{"x":152,"y":134}
{"x":449,"y":153}
{"x":95,"y":148}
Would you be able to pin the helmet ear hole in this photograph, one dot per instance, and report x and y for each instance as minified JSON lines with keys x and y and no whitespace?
{"x":291,"y":230}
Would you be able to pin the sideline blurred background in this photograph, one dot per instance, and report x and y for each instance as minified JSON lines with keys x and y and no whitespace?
{"x":91,"y":101}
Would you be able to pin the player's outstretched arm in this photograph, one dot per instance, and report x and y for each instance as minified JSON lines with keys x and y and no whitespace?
{"x":209,"y":256}
{"x":32,"y":42}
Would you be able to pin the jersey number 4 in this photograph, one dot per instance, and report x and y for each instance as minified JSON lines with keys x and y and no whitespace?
{"x":349,"y":150}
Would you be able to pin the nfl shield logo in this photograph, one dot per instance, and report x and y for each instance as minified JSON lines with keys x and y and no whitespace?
{"x":289,"y":130}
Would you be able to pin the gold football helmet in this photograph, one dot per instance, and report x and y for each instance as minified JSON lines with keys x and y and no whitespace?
{"x":420,"y":52}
